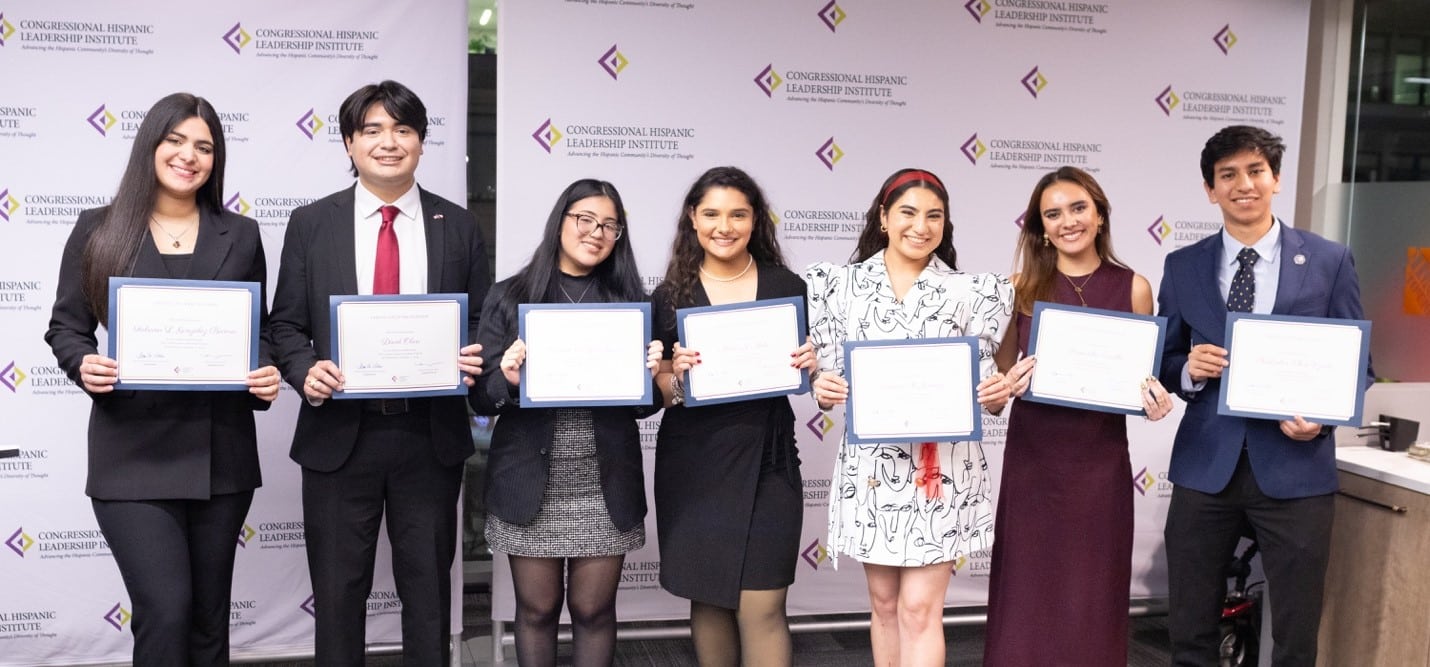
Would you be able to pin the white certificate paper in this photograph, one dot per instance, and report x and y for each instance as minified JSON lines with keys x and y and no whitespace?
{"x":585,"y":354}
{"x":744,"y":350}
{"x":1280,"y":367}
{"x":912,"y":390}
{"x":398,"y":345}
{"x":1093,"y":359}
{"x":183,"y":334}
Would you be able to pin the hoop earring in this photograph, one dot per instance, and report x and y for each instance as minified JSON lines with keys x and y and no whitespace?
{"x":884,"y":229}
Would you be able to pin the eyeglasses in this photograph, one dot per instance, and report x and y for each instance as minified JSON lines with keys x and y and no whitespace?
{"x":586,"y":223}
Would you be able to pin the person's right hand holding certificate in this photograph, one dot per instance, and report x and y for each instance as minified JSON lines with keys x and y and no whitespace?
{"x":1092,"y":358}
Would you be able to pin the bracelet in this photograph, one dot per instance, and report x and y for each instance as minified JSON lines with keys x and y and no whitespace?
{"x":677,"y":390}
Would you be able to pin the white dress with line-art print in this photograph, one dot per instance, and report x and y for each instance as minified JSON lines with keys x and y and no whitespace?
{"x":877,"y":514}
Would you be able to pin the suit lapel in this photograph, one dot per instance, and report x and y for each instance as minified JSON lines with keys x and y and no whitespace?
{"x":341,"y":244}
{"x":1292,"y":274}
{"x":435,"y":227}
{"x":211,"y":248}
{"x":148,"y":263}
{"x":1207,"y":269}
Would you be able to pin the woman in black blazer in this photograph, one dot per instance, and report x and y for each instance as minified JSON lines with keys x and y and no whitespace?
{"x":565,"y":492}
{"x":171,"y":474}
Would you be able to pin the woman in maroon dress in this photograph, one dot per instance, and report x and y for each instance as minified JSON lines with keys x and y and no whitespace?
{"x":1063,"y":549}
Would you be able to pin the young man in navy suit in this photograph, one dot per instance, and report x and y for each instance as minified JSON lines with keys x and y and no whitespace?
{"x":363,"y":458}
{"x":1228,"y":472}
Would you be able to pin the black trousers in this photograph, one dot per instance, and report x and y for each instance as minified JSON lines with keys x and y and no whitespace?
{"x":393,"y":470}
{"x":176,"y":558}
{"x":1201,"y":534}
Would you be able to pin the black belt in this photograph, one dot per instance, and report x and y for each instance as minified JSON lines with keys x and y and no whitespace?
{"x":387,"y":406}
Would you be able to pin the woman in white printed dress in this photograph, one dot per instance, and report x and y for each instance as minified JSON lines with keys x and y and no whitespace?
{"x":907,"y":510}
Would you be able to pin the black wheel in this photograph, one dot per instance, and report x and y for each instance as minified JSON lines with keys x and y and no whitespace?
{"x":1238,"y":645}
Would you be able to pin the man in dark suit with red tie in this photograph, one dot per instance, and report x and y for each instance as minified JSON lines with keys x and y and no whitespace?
{"x":1276,"y":476}
{"x":362,"y":458}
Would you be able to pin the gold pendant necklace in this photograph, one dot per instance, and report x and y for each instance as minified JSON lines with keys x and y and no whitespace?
{"x":172,"y":237}
{"x":1078,"y":288}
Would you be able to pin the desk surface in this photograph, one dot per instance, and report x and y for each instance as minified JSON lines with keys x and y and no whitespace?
{"x":1389,"y":467}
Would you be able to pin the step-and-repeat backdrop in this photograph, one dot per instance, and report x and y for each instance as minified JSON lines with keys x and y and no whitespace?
{"x":821,"y":99}
{"x":78,"y":78}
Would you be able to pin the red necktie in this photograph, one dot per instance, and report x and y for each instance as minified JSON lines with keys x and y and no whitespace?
{"x":385,"y":273}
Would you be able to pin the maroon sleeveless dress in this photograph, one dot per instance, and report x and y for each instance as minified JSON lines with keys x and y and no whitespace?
{"x":1062,"y":550}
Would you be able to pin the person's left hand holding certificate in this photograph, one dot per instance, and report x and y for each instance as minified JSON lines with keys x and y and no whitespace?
{"x":196,"y":335}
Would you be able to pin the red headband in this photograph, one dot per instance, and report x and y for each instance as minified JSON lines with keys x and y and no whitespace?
{"x":914,"y":175}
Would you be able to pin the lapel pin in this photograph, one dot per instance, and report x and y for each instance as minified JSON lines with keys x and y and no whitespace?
{"x":439,"y":216}
{"x":1299,"y":259}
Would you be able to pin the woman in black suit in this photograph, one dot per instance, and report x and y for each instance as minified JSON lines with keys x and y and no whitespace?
{"x":171,"y":474}
{"x":565,"y":491}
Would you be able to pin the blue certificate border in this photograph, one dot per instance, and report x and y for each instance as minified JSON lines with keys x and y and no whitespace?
{"x":1040,"y":306}
{"x":646,"y":396}
{"x":1361,"y":367}
{"x":254,"y":322}
{"x":801,"y":329}
{"x":457,"y":389}
{"x":851,"y":435}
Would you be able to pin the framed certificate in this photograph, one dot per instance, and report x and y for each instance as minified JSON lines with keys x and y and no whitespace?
{"x":744,"y":349}
{"x":399,"y":345}
{"x":584,"y":354}
{"x":1092,"y":358}
{"x":183,"y":335}
{"x":916,"y":390}
{"x":1281,"y":366}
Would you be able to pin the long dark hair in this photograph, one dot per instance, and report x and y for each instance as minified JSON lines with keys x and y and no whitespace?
{"x":124,"y":224}
{"x":686,"y":254}
{"x":1038,"y":263}
{"x":873,"y":239}
{"x":617,"y":278}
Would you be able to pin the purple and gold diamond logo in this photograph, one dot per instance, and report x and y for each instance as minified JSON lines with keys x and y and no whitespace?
{"x":819,"y":425}
{"x":830,"y":153}
{"x":768,"y":80}
{"x":1143,"y":481}
{"x":19,"y":542}
{"x":613,"y":61}
{"x":117,"y":616}
{"x":832,"y":15}
{"x":6,"y":30}
{"x":236,"y":38}
{"x":814,"y":554}
{"x":547,"y":135}
{"x":1018,"y":221}
{"x":309,"y":607}
{"x":977,"y":9}
{"x":1225,"y":39}
{"x":1167,"y":100}
{"x":309,"y":124}
{"x":1159,"y":229}
{"x":12,"y":376}
{"x":973,"y":149}
{"x":237,"y":204}
{"x":245,"y":535}
{"x":8,"y":204}
{"x":1034,"y":82}
{"x":101,"y":120}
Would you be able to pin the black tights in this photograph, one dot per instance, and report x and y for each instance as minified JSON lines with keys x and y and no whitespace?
{"x":588,"y":586}
{"x":756,"y":634}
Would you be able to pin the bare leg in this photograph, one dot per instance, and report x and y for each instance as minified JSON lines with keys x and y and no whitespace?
{"x":883,"y":613}
{"x":921,"y":593}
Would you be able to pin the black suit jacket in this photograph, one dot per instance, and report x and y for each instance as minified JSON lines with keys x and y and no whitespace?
{"x":151,"y":445}
{"x":318,"y":262}
{"x":517,"y":466}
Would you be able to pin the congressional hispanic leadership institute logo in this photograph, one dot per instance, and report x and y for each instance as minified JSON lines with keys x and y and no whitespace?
{"x":236,"y":38}
{"x":309,"y":124}
{"x":820,"y":424}
{"x":830,"y":153}
{"x":1159,"y":229}
{"x":1143,"y":481}
{"x":1034,"y":82}
{"x":614,"y":62}
{"x":815,"y":554}
{"x":101,"y":120}
{"x":768,"y":80}
{"x":1167,"y":100}
{"x":19,"y":542}
{"x":978,"y":9}
{"x":547,"y":135}
{"x":1225,"y":39}
{"x":12,"y":376}
{"x":973,"y":149}
{"x":237,"y":204}
{"x":8,"y":204}
{"x":245,"y":535}
{"x":6,"y":29}
{"x":832,"y":15}
{"x":117,"y":616}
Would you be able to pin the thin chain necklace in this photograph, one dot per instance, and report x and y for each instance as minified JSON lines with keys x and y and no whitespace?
{"x":731,"y":279}
{"x":1078,"y":288}
{"x":577,"y":299}
{"x":171,"y":235}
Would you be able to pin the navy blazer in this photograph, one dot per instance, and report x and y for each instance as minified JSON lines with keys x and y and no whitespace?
{"x":517,"y":466}
{"x":319,"y":261}
{"x":156,"y":445}
{"x":1204,"y":455}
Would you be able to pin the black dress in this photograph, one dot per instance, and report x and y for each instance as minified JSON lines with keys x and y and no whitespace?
{"x":728,"y":500}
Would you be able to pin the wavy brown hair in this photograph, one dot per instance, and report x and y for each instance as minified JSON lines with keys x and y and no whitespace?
{"x":683,"y":272}
{"x":1038,"y":263}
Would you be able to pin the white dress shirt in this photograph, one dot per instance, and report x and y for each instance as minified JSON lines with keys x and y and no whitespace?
{"x":411,"y":239}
